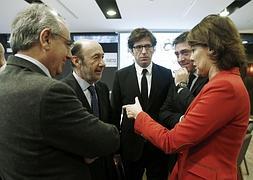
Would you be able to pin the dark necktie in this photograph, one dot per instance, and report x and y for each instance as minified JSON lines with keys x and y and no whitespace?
{"x":144,"y":88}
{"x":191,"y":78}
{"x":94,"y":101}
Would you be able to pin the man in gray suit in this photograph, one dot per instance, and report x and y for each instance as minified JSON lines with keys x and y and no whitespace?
{"x":45,"y":131}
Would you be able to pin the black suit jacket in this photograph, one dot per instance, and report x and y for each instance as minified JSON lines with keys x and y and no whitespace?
{"x":176,"y":104}
{"x":102,"y":168}
{"x":45,"y":130}
{"x":125,"y":89}
{"x":105,"y":110}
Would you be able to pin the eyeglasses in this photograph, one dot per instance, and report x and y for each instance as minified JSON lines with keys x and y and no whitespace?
{"x":184,"y":52}
{"x":69,"y":43}
{"x":139,"y":48}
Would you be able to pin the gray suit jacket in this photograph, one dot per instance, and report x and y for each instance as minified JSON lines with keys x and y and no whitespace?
{"x":45,"y":130}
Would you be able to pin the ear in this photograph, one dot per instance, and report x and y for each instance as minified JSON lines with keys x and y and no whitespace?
{"x":45,"y":38}
{"x":131,"y":51}
{"x":75,"y":60}
{"x":211,"y":52}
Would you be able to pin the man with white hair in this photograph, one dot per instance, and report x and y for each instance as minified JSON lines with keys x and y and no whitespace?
{"x":46,"y":133}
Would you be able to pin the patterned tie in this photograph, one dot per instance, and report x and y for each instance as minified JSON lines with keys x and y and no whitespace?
{"x":144,"y":88}
{"x":94,"y":101}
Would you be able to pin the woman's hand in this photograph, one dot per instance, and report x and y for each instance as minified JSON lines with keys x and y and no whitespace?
{"x":132,"y":110}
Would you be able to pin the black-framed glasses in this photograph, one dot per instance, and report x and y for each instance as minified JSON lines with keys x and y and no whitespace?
{"x":68,"y":42}
{"x":139,"y":48}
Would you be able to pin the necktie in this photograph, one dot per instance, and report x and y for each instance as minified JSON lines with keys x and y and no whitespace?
{"x":144,"y":88}
{"x":94,"y":101}
{"x":191,"y":78}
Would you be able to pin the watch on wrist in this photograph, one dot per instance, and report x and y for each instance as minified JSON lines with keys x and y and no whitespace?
{"x":181,"y":85}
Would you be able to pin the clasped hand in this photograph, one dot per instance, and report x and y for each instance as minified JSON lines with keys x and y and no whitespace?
{"x":132,"y":110}
{"x":181,"y":75}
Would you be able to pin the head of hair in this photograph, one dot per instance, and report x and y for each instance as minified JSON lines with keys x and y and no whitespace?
{"x":181,"y":38}
{"x":28,"y":24}
{"x":77,"y":51}
{"x":138,"y":34}
{"x":220,"y":35}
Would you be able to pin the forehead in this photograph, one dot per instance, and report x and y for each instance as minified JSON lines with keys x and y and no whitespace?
{"x":145,"y":40}
{"x":182,"y":46}
{"x":92,"y":49}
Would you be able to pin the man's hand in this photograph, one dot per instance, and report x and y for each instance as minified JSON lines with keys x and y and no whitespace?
{"x":132,"y":110}
{"x":181,"y":75}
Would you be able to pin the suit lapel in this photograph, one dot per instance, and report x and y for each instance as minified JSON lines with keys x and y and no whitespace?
{"x":154,"y":84}
{"x":132,"y":79}
{"x":199,"y":82}
{"x":79,"y":92}
{"x":100,"y":103}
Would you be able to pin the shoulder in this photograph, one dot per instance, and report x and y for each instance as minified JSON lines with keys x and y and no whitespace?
{"x":125,"y":69}
{"x":102,"y":85}
{"x":68,"y":78}
{"x":161,"y":69}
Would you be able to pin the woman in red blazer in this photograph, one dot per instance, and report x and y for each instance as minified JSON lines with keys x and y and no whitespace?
{"x":209,"y":137}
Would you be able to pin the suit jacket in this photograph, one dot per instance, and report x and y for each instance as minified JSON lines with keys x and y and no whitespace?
{"x":45,"y":130}
{"x":125,"y":89}
{"x":210,"y":136}
{"x":102,"y":168}
{"x":176,"y":104}
{"x":102,"y":93}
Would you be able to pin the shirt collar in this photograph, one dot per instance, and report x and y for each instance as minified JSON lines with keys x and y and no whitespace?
{"x":83,"y":84}
{"x":36,"y":62}
{"x":139,"y":68}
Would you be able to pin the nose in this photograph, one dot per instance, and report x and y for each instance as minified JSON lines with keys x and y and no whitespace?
{"x":69,"y":54}
{"x":102,"y":62}
{"x":143,"y":49}
{"x":192,"y":60}
{"x":181,"y":57}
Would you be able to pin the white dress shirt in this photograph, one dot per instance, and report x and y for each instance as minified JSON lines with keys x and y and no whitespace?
{"x":148,"y":75}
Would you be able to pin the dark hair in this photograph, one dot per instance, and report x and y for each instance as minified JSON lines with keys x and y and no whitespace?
{"x":181,"y":38}
{"x":77,"y":51}
{"x":220,"y":35}
{"x":138,"y":34}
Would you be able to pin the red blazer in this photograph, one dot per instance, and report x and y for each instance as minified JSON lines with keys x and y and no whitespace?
{"x":210,"y":136}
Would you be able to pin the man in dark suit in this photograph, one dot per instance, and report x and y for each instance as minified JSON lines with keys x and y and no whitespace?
{"x":187,"y":86}
{"x":151,"y":86}
{"x":88,"y":66}
{"x":45,"y":131}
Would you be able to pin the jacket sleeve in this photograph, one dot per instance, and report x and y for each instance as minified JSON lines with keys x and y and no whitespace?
{"x":116,"y":102}
{"x":199,"y":123}
{"x":67,"y":125}
{"x":169,"y":113}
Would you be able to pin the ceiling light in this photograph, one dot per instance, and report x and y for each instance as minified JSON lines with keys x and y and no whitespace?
{"x":236,"y":4}
{"x":108,"y":5}
{"x":224,"y":12}
{"x":111,"y":12}
{"x":34,"y":1}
